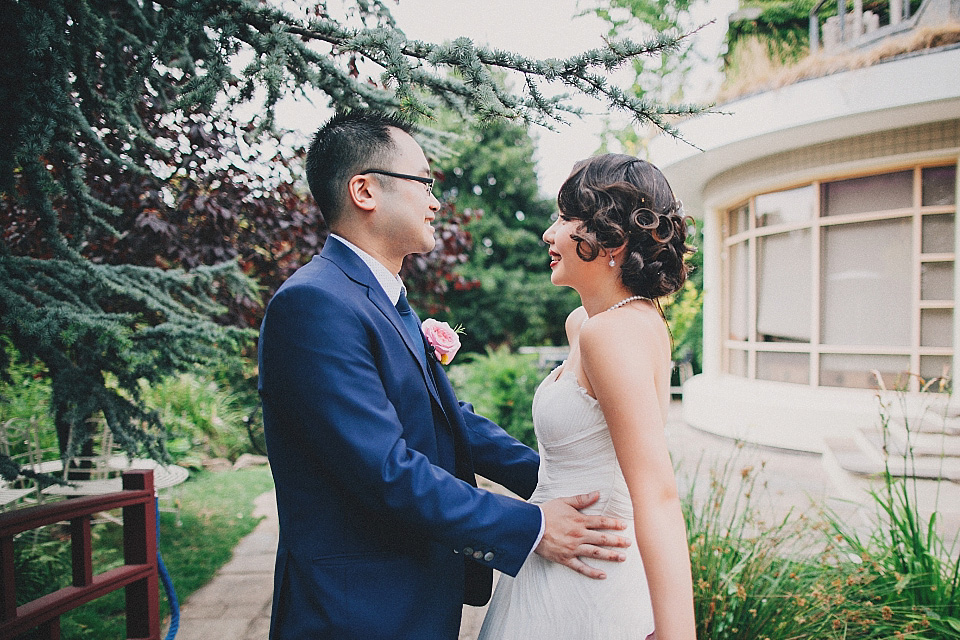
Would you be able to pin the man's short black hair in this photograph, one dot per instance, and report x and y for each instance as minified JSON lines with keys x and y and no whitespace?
{"x":350,"y":142}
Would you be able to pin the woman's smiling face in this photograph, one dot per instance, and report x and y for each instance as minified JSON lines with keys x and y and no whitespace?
{"x":565,"y":264}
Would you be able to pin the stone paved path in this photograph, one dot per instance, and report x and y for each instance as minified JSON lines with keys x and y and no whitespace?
{"x":235,"y":605}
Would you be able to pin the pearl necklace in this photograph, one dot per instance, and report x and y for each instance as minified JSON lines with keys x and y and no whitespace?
{"x":616,"y":306}
{"x":625,"y":301}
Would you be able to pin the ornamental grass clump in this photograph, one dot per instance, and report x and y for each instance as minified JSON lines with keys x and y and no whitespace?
{"x":910,"y":572}
{"x":800,"y":576}
{"x":203,"y":418}
{"x":753,"y":579}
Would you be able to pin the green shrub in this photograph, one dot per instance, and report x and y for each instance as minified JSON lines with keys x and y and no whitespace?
{"x":25,"y":397}
{"x":684,"y":310}
{"x":41,"y":562}
{"x":500,"y":385}
{"x":204,"y":414}
{"x":203,"y":419}
{"x":685,"y":321}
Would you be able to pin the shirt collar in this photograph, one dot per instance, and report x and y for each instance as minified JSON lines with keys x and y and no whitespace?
{"x":390,"y":282}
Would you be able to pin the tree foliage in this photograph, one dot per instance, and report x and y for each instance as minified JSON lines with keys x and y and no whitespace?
{"x":505,"y":296}
{"x":134,"y":204}
{"x":660,"y":76}
{"x":656,"y":78}
{"x":684,"y":309}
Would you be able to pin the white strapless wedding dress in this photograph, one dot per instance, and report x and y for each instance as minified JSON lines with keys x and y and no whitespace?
{"x":550,"y":601}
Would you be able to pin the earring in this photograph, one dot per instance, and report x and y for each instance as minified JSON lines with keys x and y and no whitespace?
{"x":612,"y":263}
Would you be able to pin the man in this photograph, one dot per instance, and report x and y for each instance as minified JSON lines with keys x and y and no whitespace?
{"x":383,"y":533}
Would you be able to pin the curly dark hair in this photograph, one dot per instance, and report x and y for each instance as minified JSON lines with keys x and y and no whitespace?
{"x":620,"y":199}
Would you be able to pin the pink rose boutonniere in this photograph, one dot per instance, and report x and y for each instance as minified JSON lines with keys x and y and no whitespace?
{"x":442,"y":338}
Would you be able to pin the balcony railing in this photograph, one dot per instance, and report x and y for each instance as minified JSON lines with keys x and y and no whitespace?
{"x":847,"y":28}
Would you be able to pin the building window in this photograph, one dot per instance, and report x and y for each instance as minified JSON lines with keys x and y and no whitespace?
{"x":883,"y":192}
{"x":784,"y":287}
{"x":833,"y":283}
{"x":866,"y":283}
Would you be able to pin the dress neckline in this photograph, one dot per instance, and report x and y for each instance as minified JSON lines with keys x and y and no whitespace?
{"x":558,"y":374}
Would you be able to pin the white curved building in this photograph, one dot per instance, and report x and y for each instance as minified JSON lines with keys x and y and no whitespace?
{"x":829,"y":215}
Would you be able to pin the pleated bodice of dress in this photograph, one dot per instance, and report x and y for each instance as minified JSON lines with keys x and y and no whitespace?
{"x":576,"y":451}
{"x":549,"y":601}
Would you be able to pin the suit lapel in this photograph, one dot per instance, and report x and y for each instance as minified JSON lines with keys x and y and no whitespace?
{"x":379,"y":298}
{"x":351,"y":264}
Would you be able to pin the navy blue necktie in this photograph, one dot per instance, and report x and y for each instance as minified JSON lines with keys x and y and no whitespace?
{"x":410,"y":322}
{"x":446,"y":449}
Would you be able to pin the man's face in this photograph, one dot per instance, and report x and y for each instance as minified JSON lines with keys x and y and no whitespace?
{"x":408,"y":207}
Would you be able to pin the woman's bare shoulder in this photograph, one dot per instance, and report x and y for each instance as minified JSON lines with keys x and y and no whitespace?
{"x":638,"y":331}
{"x":574,"y":321}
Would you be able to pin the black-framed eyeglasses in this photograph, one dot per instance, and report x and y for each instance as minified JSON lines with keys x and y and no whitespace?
{"x":403,"y":176}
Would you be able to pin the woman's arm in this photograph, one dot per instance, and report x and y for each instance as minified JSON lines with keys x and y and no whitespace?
{"x":624,"y":356}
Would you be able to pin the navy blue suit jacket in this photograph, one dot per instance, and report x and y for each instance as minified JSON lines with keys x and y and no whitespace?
{"x":374,"y":460}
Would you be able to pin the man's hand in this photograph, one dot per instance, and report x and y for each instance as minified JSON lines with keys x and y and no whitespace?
{"x":569,"y":535}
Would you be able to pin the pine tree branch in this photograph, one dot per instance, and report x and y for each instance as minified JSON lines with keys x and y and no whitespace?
{"x":406,"y":64}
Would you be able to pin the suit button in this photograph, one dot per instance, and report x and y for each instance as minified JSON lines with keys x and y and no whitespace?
{"x":489,"y":556}
{"x":468,"y":551}
{"x":478,"y":555}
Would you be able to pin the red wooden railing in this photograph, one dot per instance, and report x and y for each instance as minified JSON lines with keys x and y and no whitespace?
{"x":138,"y":575}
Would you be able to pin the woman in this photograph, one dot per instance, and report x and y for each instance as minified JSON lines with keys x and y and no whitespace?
{"x":620,"y":243}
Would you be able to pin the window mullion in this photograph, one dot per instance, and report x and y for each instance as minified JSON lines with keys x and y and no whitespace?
{"x":815,"y":294}
{"x":917,"y":239}
{"x":752,"y":291}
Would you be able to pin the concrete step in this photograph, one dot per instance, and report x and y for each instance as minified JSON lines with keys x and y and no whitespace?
{"x":864,"y":456}
{"x":899,"y":441}
{"x":856,"y":468}
{"x":933,"y":458}
{"x":936,"y":420}
{"x":851,"y":457}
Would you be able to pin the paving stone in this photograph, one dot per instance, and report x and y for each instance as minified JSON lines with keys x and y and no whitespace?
{"x":211,"y":629}
{"x":259,"y":629}
{"x":254,"y":564}
{"x":259,"y":542}
{"x":198,"y":609}
{"x":232,"y":589}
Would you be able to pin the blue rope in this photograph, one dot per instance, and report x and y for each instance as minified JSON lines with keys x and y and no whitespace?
{"x":167,"y":583}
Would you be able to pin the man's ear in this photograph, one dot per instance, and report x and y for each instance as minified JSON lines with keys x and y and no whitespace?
{"x":362,"y":192}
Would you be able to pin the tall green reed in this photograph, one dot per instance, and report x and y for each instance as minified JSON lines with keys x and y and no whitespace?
{"x":803,"y":575}
{"x":753,"y":579}
{"x":906,"y":564}
{"x":203,"y":418}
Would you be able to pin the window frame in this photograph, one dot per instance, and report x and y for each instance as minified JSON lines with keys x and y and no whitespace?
{"x":749,"y":240}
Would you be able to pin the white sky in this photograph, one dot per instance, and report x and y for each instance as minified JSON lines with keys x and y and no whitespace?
{"x":542,"y":29}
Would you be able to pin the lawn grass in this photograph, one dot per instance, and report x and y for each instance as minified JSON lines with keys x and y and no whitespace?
{"x":215,"y":510}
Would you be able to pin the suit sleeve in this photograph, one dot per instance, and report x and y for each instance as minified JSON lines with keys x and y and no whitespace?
{"x":318,"y":366}
{"x":498,"y":456}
